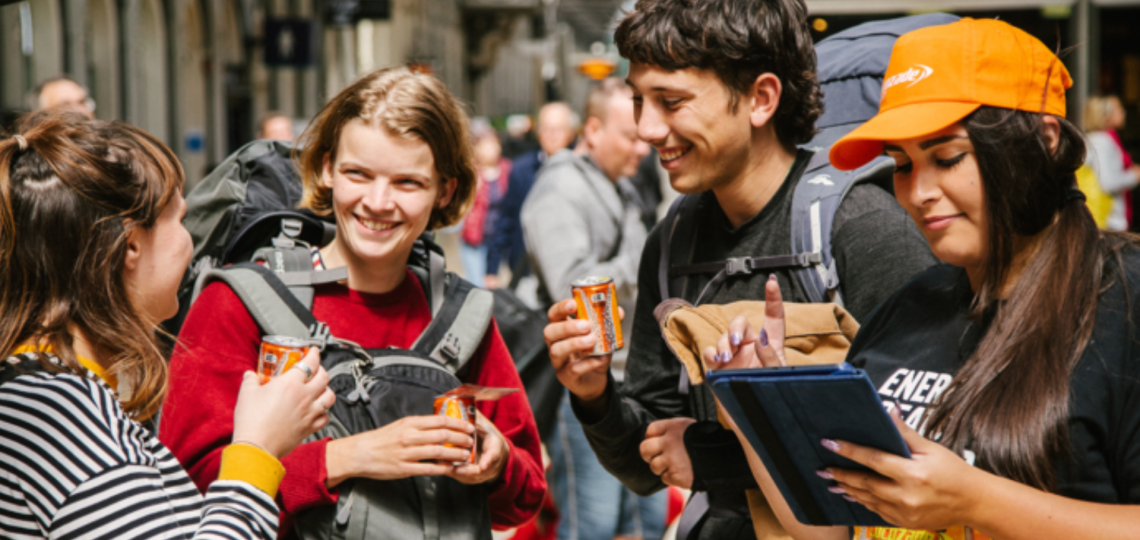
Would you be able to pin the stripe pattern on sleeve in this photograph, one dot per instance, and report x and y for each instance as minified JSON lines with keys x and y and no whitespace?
{"x":73,"y":465}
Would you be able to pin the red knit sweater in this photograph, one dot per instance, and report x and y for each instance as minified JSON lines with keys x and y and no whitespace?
{"x":219,"y":341}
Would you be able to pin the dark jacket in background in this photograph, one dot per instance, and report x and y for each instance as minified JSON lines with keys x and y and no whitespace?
{"x":507,"y":237}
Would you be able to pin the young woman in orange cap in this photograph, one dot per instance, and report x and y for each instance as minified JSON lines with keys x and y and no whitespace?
{"x":1013,"y":370}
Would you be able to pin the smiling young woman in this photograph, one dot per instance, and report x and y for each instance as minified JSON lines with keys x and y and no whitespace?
{"x":1018,"y":358}
{"x":390,"y":158}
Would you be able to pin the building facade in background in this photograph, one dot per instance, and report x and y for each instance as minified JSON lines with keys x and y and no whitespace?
{"x":199,"y":73}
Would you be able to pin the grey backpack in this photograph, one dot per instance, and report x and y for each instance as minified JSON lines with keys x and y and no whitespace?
{"x":377,"y":386}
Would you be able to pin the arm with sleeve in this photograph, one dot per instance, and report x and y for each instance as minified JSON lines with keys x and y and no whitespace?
{"x":648,"y":394}
{"x":1108,"y":163}
{"x":518,"y":494}
{"x":557,"y":223}
{"x":877,"y":249}
{"x":98,"y":474}
{"x":218,"y":343}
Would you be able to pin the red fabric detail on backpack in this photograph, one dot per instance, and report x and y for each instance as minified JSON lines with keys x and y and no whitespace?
{"x":474,"y":223}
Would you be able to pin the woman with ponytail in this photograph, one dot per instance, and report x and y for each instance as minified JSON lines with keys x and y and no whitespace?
{"x":1013,"y":370}
{"x":92,"y":250}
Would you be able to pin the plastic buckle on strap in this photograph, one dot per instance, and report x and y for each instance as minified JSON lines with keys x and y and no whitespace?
{"x":737,"y":265}
{"x":283,"y":242}
{"x":805,"y":260}
{"x":450,"y":347}
{"x":319,"y":334}
{"x":292,"y":227}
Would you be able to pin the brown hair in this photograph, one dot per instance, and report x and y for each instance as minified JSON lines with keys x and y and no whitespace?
{"x":67,"y":205}
{"x":1009,"y":402}
{"x":406,"y":104}
{"x":738,"y":40}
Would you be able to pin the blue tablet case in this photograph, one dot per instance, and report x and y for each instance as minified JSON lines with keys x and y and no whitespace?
{"x":785,"y":412}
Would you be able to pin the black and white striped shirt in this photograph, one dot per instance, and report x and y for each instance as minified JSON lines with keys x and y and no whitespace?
{"x":73,"y":465}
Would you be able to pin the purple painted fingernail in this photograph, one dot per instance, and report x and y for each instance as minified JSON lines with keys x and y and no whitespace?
{"x":725,"y":357}
{"x":825,"y":474}
{"x":763,"y":337}
{"x":849,"y":498}
{"x":836,"y":490}
{"x":830,"y":444}
{"x":735,"y":339}
{"x":771,"y":277}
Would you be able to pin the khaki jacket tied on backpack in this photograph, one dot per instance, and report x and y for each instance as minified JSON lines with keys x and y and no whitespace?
{"x":815,"y":334}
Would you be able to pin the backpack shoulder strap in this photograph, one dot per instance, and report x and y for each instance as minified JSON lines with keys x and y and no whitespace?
{"x":268,"y":300}
{"x":676,"y":231}
{"x":815,"y":201}
{"x":679,"y":231}
{"x":458,"y":327}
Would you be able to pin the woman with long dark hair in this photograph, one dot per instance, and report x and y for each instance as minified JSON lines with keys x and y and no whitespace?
{"x":92,"y":249}
{"x":1013,"y":370}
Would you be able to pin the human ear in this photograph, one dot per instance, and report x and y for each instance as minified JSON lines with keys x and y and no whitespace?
{"x":1052,"y":130}
{"x":326,"y":172}
{"x":764,"y":99}
{"x":446,"y":191}
{"x":134,"y":249}
{"x":592,"y":130}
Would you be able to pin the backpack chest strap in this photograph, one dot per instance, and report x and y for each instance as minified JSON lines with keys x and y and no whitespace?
{"x":746,"y":265}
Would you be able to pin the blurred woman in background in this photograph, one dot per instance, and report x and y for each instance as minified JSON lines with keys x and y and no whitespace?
{"x":1113,"y":166}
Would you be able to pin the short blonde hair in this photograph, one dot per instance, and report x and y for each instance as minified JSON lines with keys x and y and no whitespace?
{"x":1097,"y":111}
{"x":406,"y":104}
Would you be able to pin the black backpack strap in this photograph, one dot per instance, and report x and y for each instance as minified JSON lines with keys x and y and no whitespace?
{"x":269,"y":301}
{"x":739,"y":266}
{"x":676,"y":230}
{"x":457,"y":329}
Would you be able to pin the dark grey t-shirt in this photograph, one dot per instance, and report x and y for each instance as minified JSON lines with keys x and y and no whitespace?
{"x":877,"y":249}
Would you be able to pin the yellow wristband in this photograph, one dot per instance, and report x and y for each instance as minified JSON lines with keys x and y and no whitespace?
{"x":251,"y":464}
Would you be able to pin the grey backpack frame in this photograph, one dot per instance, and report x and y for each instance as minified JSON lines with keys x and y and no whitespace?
{"x":432,"y":508}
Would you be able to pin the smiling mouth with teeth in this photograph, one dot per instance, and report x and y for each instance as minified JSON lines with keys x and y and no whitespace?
{"x":670,"y":155}
{"x":375,"y":225}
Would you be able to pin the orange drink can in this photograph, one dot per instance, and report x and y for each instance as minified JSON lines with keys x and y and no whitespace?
{"x":461,"y":407}
{"x":278,"y":354}
{"x":597,"y":303}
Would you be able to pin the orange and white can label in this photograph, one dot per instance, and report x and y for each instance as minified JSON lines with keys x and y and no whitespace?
{"x":597,"y":303}
{"x":461,"y":407}
{"x":278,"y":354}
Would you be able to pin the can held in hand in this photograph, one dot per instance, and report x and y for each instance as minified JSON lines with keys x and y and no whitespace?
{"x":278,"y":354}
{"x":597,"y":303}
{"x":463,"y":408}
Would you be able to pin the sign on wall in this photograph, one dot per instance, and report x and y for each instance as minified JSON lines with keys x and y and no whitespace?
{"x":288,"y":42}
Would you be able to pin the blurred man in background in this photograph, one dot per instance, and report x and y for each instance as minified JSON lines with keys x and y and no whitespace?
{"x":557,"y":128}
{"x":62,"y":92}
{"x":583,"y":218}
{"x":276,"y":125}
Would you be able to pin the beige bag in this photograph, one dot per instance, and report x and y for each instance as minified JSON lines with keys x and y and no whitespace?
{"x":815,"y":334}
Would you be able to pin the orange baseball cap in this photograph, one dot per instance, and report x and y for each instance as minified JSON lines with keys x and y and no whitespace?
{"x":940,"y":74}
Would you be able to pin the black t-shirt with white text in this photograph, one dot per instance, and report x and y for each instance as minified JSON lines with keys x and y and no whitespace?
{"x":913,"y":344}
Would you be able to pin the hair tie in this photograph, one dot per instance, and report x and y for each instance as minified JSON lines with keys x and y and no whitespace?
{"x":1076,"y":194}
{"x":21,"y":141}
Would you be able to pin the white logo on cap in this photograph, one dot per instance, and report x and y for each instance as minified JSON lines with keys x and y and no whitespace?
{"x":912,"y":75}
